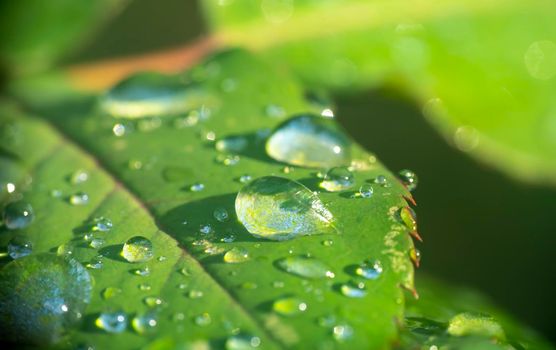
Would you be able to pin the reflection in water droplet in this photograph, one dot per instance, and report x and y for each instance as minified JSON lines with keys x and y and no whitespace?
{"x":337,"y":179}
{"x":144,"y":323}
{"x":305,"y":267}
{"x":19,"y":246}
{"x":203,"y":319}
{"x":79,"y":198}
{"x":112,"y":322}
{"x":540,"y":59}
{"x":42,"y":296}
{"x":353,"y":289}
{"x":409,"y":179}
{"x":289,"y":306}
{"x":242,"y":342}
{"x":278,"y":208}
{"x":370,"y":270}
{"x":236,"y":255}
{"x":17,"y":215}
{"x":309,"y":141}
{"x":147,"y":94}
{"x":137,"y":249}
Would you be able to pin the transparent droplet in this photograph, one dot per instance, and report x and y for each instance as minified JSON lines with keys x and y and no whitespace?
{"x":145,"y":271}
{"x":79,"y":198}
{"x":119,"y":129}
{"x":415,"y":256}
{"x":42,"y":297}
{"x":275,"y":111}
{"x":17,"y":215}
{"x":144,"y":287}
{"x":137,"y":249}
{"x":327,"y":242}
{"x":277,"y":208}
{"x":95,"y":263}
{"x":112,"y":322}
{"x":305,"y":267}
{"x":101,"y":224}
{"x":161,"y":258}
{"x":65,"y":250}
{"x":466,"y":138}
{"x":309,"y":141}
{"x":197,"y":187}
{"x":370,"y":270}
{"x":408,"y":217}
{"x":19,"y":246}
{"x":144,"y":323}
{"x":227,"y":159}
{"x":206,"y":229}
{"x":342,"y":332}
{"x":278,"y":284}
{"x":232,"y":144}
{"x":96,"y":242}
{"x":382,"y":181}
{"x":366,"y":191}
{"x":203,"y":319}
{"x":153,"y":301}
{"x":540,"y":59}
{"x":409,"y":179}
{"x":289,"y":306}
{"x":327,"y":321}
{"x":353,"y":289}
{"x":338,"y":179}
{"x":248,"y":285}
{"x":245,"y":179}
{"x":236,"y":255}
{"x":242,"y":342}
{"x":195,"y":294}
{"x":146,"y":94}
{"x":110,"y":292}
{"x":79,"y":177}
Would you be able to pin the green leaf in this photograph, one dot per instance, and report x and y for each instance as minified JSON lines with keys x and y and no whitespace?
{"x":142,"y":182}
{"x":483,"y":71}
{"x":36,"y":33}
{"x":451,"y":317}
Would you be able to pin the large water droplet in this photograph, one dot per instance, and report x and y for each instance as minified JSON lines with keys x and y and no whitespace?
{"x":19,"y":246}
{"x":112,"y":322}
{"x":41,"y":296}
{"x":236,"y":255}
{"x":305,"y":267}
{"x":337,"y":179}
{"x":137,"y":249}
{"x":18,"y":215}
{"x":278,"y":208}
{"x":146,"y":94}
{"x":289,"y":306}
{"x":309,"y":141}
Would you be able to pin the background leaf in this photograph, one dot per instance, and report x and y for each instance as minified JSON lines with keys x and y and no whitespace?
{"x":141,"y":181}
{"x":483,"y":72}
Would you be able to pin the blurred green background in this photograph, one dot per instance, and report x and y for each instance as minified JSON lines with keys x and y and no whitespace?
{"x":481,"y":229}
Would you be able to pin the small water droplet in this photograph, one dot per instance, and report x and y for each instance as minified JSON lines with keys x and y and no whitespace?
{"x":221,"y":214}
{"x":55,"y":193}
{"x":540,"y":59}
{"x":187,"y":121}
{"x":278,"y":284}
{"x":145,"y":271}
{"x":153,"y":301}
{"x":149,"y":124}
{"x":275,"y":111}
{"x":197,"y":187}
{"x":96,"y":242}
{"x":17,"y":215}
{"x":178,"y":317}
{"x":327,"y":113}
{"x":466,"y":138}
{"x":353,"y":289}
{"x":144,"y":323}
{"x":229,"y":85}
{"x":309,"y":141}
{"x":195,"y":294}
{"x":415,"y":256}
{"x":409,"y":179}
{"x":382,"y":181}
{"x":366,"y":191}
{"x":408,"y":217}
{"x":248,"y":285}
{"x":110,"y":292}
{"x":65,"y":250}
{"x":203,"y":319}
{"x":144,"y":287}
{"x":342,"y":332}
{"x":135,"y":164}
{"x":137,"y":249}
{"x":79,"y":198}
{"x":277,"y":208}
{"x":236,"y":255}
{"x":146,"y":94}
{"x":206,"y":229}
{"x":327,"y":242}
{"x":112,"y":322}
{"x":95,"y":263}
{"x":244,"y":178}
{"x":327,"y":321}
{"x":79,"y":176}
{"x":305,"y":267}
{"x":242,"y":342}
{"x":232,"y":144}
{"x":289,"y":306}
{"x":338,"y":179}
{"x":101,"y":224}
{"x":19,"y":246}
{"x":227,"y":159}
{"x":119,"y":129}
{"x":370,"y":270}
{"x":43,"y":296}
{"x":161,"y":258}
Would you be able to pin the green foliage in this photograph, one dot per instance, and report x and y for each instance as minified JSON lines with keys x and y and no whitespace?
{"x":483,"y":71}
{"x":141,"y":181}
{"x":35,"y":33}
